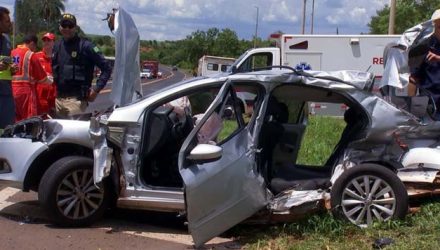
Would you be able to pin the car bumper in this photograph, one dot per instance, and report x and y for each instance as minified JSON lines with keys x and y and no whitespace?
{"x":16,"y":156}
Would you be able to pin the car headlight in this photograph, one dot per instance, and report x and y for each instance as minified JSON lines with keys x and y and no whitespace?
{"x":31,"y":128}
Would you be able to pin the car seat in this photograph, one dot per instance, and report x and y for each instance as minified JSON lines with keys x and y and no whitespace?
{"x":271,"y":132}
{"x":355,"y":123}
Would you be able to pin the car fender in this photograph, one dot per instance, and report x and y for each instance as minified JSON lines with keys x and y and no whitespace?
{"x":69,"y":131}
{"x":19,"y":154}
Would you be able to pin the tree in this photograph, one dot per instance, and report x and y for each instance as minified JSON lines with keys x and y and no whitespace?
{"x":227,"y":44}
{"x":37,"y":15}
{"x":51,"y":13}
{"x":408,"y":14}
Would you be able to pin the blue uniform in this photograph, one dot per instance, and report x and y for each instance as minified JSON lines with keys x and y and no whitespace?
{"x":73,"y":64}
{"x":7,"y":105}
{"x":428,"y":73}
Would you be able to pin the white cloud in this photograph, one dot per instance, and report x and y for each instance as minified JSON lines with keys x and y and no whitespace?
{"x":175,"y":19}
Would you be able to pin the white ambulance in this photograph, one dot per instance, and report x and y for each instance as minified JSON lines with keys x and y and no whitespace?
{"x":320,"y":52}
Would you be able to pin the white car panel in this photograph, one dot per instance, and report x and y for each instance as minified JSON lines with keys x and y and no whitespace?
{"x":19,"y":160}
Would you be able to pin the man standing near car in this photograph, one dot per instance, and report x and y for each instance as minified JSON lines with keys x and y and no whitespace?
{"x":46,"y":92}
{"x":30,"y":73}
{"x":7,"y":106}
{"x":73,"y":63}
{"x":427,"y":75}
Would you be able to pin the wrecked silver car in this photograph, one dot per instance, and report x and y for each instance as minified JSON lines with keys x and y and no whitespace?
{"x":191,"y":149}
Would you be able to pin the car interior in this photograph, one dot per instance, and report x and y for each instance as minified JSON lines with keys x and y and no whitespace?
{"x":284,"y":136}
{"x":167,"y":129}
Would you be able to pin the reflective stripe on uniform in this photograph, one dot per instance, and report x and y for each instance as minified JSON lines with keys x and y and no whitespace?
{"x":25,"y":76}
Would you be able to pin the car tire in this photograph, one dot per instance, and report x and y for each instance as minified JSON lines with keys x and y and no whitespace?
{"x":68,"y":194}
{"x":367,"y":193}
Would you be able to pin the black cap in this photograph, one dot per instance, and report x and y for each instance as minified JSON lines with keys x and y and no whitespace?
{"x":30,"y":38}
{"x":67,"y":18}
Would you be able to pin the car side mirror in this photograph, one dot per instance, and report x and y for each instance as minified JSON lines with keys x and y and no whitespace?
{"x":203,"y":153}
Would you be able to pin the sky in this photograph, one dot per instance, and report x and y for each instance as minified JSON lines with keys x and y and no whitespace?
{"x":175,"y":19}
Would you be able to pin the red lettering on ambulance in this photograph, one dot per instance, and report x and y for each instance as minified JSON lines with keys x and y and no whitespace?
{"x":377,"y":60}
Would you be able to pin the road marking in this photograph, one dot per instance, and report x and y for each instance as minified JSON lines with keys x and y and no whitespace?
{"x":108,"y":90}
{"x":5,"y":194}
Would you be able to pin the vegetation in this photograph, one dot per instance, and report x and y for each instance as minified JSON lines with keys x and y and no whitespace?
{"x":408,"y":14}
{"x":41,"y":15}
{"x":186,"y":53}
{"x":320,"y":138}
{"x":420,"y":230}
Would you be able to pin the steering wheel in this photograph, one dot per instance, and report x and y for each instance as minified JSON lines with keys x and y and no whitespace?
{"x":183,"y":126}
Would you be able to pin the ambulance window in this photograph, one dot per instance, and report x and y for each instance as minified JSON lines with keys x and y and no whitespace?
{"x":301,"y":45}
{"x":256,"y":61}
{"x":212,"y":66}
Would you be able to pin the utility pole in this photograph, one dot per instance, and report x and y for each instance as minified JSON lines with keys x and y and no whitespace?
{"x":313,"y":14}
{"x":392,"y":17}
{"x":304,"y":17}
{"x":256,"y":29}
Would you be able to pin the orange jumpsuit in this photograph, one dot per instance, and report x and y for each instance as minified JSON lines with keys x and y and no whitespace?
{"x":24,"y":81}
{"x":46,"y":92}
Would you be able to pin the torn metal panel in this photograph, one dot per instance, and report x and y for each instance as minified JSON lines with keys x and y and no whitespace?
{"x":101,"y":152}
{"x":422,"y":157}
{"x":396,"y":55}
{"x":126,"y":80}
{"x":287,"y":200}
{"x":423,"y":175}
{"x":423,"y":189}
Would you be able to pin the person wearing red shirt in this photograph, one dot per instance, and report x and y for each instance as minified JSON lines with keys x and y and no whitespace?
{"x":24,"y":80}
{"x":46,"y":92}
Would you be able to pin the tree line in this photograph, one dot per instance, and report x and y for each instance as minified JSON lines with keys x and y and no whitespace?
{"x":43,"y":16}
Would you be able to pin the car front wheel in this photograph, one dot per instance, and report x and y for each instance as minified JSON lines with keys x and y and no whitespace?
{"x":68,"y":194}
{"x":368,"y":193}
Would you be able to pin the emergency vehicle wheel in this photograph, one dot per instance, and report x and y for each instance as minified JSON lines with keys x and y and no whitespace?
{"x":367,"y":193}
{"x":68,"y":194}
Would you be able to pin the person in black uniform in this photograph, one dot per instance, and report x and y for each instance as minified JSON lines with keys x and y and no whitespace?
{"x":73,"y":62}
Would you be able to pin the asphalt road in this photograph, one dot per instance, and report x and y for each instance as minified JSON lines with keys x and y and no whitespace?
{"x":25,"y":225}
{"x":148,"y":85}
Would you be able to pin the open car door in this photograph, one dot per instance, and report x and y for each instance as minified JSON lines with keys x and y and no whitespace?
{"x":221,"y":181}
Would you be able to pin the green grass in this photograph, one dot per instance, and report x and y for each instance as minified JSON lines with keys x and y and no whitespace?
{"x":418,"y":231}
{"x":320,"y":138}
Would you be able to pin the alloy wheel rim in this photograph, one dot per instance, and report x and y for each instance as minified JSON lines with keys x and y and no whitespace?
{"x":368,"y":198}
{"x":77,"y":197}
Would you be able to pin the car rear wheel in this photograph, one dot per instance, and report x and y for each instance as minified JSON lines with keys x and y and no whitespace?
{"x":68,"y":194}
{"x":368,"y":193}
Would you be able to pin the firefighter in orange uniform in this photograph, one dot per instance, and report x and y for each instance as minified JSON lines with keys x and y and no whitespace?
{"x":46,"y":92}
{"x":24,"y":81}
